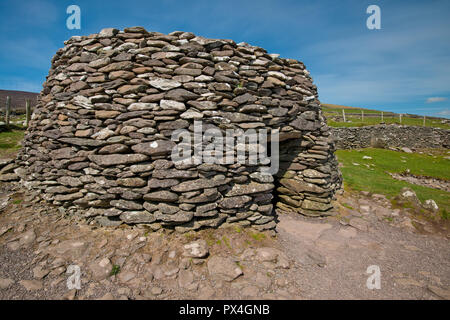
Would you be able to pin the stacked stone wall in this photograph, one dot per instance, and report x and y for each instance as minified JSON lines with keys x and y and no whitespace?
{"x":100,"y":139}
{"x":396,"y":136}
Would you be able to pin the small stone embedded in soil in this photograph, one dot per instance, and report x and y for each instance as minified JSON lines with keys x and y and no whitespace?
{"x":32,"y":285}
{"x":156,"y":291}
{"x":5,"y":283}
{"x":196,"y":249}
{"x":223,"y":268}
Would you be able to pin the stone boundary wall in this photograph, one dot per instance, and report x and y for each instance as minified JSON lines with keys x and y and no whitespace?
{"x":391,"y":136}
{"x":100,"y":138}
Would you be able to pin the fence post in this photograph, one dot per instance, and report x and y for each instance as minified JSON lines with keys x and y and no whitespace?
{"x":424,"y":121}
{"x":8,"y":110}
{"x":382,"y":119}
{"x":400,"y":115}
{"x":27,"y":112}
{"x":343,"y":114}
{"x":362,"y":115}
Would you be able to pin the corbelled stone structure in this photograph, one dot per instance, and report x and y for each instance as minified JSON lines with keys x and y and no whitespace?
{"x":100,"y":138}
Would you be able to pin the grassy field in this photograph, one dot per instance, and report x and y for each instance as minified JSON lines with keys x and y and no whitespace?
{"x":327,"y":107}
{"x":372,"y":117}
{"x":10,"y":142}
{"x":356,"y":121}
{"x":372,"y":174}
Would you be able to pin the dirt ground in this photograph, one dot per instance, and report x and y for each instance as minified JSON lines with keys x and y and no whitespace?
{"x":306,"y":258}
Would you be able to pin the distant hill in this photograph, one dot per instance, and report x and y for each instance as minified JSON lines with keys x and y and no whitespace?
{"x":18,"y":99}
{"x":337,"y":109}
{"x":359,"y":117}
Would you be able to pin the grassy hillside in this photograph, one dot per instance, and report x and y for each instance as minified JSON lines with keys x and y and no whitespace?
{"x":354,"y":117}
{"x":364,"y":174}
{"x":327,"y":107}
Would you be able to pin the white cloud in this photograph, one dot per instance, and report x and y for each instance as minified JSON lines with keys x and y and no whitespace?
{"x":436,"y":99}
{"x":444,"y":113}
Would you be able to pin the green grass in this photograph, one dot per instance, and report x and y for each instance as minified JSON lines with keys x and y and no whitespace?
{"x":11,"y":139}
{"x":326,"y":107}
{"x":226,"y":241}
{"x":355,"y":121}
{"x":115,"y":270}
{"x":445,"y":214}
{"x":190,"y":236}
{"x":210,"y":238}
{"x":9,"y":142}
{"x":257,"y":236}
{"x":371,"y":175}
{"x":348,"y":206}
{"x":334,"y":116}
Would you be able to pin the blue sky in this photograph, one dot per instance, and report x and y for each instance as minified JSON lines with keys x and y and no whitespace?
{"x":404,"y":67}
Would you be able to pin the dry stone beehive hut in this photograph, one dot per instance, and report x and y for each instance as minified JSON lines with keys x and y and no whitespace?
{"x":100,"y":137}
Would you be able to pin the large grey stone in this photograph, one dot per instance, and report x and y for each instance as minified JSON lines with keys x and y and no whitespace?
{"x":179,"y":217}
{"x":155,"y":148}
{"x":198,"y":184}
{"x":117,"y":159}
{"x":223,"y":268}
{"x":137,"y":217}
{"x":251,"y":188}
{"x":235,"y":202}
{"x":164,"y":84}
{"x":164,"y":196}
